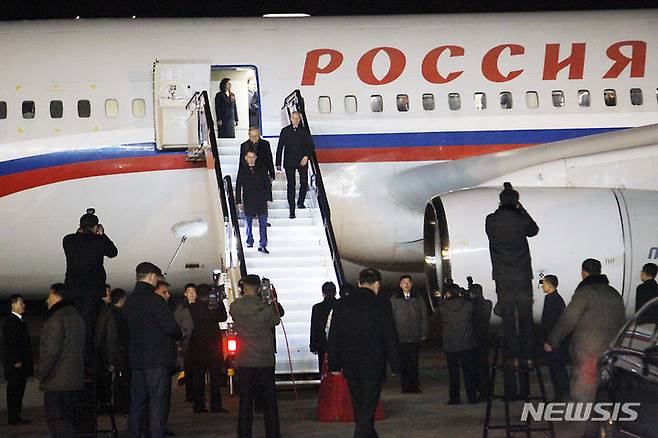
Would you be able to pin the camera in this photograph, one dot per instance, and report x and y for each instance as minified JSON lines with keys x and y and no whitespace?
{"x":217,"y":293}
{"x":267,"y":291}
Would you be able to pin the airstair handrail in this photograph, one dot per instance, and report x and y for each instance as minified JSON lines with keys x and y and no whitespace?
{"x":323,"y":201}
{"x":224,"y":186}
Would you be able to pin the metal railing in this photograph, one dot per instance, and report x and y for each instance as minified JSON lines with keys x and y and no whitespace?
{"x":295,"y":102}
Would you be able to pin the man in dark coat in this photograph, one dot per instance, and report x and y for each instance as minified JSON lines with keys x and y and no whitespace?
{"x":508,"y":229}
{"x":152,"y":335}
{"x":319,"y":316}
{"x":205,"y":350}
{"x":410,"y":316}
{"x":61,"y":362}
{"x":360,"y":344}
{"x":648,"y":289}
{"x":263,"y":151}
{"x":85,"y":275}
{"x":184,"y":321}
{"x":557,"y":359}
{"x":17,"y":358}
{"x":254,"y":181}
{"x":296,"y":148}
{"x":458,"y":342}
{"x":482,"y":308}
{"x":593,"y":317}
{"x":254,"y":104}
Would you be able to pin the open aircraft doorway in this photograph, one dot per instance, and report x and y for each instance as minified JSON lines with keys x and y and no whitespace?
{"x":237,"y":109}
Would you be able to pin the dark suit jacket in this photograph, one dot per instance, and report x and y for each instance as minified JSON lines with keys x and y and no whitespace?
{"x":225,"y":107}
{"x":319,"y":316}
{"x":294,"y":144}
{"x":361,"y":340}
{"x":263,"y":153}
{"x":253,"y":190}
{"x":17,"y":347}
{"x":152,"y":329}
{"x":553,"y":307}
{"x":85,"y":274}
{"x":645,"y":292}
{"x":205,"y":345}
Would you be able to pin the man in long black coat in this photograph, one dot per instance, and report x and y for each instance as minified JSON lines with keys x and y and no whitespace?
{"x":152,"y":334}
{"x":296,"y":148}
{"x":361,"y":342}
{"x":262,"y":148}
{"x":253,"y":194}
{"x":205,"y":350}
{"x":648,"y":289}
{"x":319,"y":316}
{"x":85,"y":275}
{"x":482,"y":309}
{"x":17,"y":358}
{"x":508,"y":229}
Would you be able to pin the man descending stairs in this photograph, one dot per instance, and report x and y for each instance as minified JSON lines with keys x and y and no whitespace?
{"x":298,"y":263}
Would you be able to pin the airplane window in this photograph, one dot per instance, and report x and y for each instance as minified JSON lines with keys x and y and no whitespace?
{"x":3,"y":110}
{"x":350,"y":104}
{"x":324,"y":104}
{"x":84,"y":109}
{"x":28,"y":109}
{"x":403,"y":102}
{"x":636,"y":96}
{"x":584,"y":98}
{"x":56,"y":109}
{"x":428,"y":102}
{"x":506,"y":100}
{"x":610,"y":97}
{"x":376,"y":103}
{"x":531,"y":99}
{"x":139,"y":107}
{"x":480,"y":101}
{"x":111,"y":108}
{"x":454,"y":101}
{"x":558,"y":98}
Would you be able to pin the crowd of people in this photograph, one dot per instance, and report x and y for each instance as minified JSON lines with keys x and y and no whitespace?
{"x":127,"y":347}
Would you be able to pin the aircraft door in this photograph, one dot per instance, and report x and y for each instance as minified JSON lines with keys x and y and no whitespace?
{"x":174,"y":84}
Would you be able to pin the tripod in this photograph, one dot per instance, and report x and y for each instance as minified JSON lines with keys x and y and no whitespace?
{"x":510,"y":427}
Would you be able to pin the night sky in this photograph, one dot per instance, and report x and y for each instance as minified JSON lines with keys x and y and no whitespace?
{"x":25,"y":9}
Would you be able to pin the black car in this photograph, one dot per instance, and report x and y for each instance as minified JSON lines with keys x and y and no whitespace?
{"x":628,"y":373}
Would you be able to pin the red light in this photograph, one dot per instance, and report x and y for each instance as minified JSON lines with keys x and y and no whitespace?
{"x":232,"y":345}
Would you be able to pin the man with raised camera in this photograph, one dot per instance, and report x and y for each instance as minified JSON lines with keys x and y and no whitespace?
{"x":204,"y":351}
{"x":85,"y":251}
{"x":254,"y":318}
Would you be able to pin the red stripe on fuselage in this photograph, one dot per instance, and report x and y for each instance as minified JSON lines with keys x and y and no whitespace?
{"x":17,"y":182}
{"x":420,"y":153}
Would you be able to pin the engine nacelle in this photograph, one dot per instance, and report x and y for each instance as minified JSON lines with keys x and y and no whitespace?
{"x":617,"y":227}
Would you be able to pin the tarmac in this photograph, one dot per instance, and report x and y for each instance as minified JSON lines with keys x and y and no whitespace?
{"x":421,"y":415}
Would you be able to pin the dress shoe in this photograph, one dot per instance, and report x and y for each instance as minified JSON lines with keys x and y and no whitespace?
{"x":263,"y":250}
{"x":269,"y":224}
{"x":454,"y":402}
{"x":302,"y":206}
{"x":292,"y":215}
{"x":169,"y":433}
{"x":250,"y":245}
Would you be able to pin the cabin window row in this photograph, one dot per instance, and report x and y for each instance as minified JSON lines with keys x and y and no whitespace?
{"x":504,"y":99}
{"x":56,"y":109}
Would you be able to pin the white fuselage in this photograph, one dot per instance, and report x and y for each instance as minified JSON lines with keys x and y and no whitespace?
{"x":52,"y":169}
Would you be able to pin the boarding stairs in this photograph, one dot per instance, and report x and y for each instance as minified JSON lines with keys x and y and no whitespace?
{"x":303,"y":252}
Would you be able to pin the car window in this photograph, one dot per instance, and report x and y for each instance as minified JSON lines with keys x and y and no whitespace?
{"x":640,"y":334}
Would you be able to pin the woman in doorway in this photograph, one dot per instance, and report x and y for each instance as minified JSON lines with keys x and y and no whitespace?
{"x":226,"y":110}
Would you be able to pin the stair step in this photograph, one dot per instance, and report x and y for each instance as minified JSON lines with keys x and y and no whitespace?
{"x":284,"y":213}
{"x":275,"y":242}
{"x":289,"y":261}
{"x":281,"y":222}
{"x":311,"y":251}
{"x":293,"y":272}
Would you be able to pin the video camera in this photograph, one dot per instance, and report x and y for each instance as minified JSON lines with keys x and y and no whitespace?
{"x":267,"y":291}
{"x":217,"y":293}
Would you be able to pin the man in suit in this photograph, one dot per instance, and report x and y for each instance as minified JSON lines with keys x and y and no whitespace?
{"x":85,"y":252}
{"x":557,"y":359}
{"x":17,"y":354}
{"x":262,"y":148}
{"x":361,"y":342}
{"x":253,"y":194}
{"x":482,"y":308}
{"x":648,"y":289}
{"x":254,"y":103}
{"x":61,"y":362}
{"x":296,"y":148}
{"x":319,"y":317}
{"x":152,"y":335}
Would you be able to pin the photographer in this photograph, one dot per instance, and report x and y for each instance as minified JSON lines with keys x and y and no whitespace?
{"x":254,"y":320}
{"x":205,"y":348}
{"x":85,"y":275}
{"x":508,"y":229}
